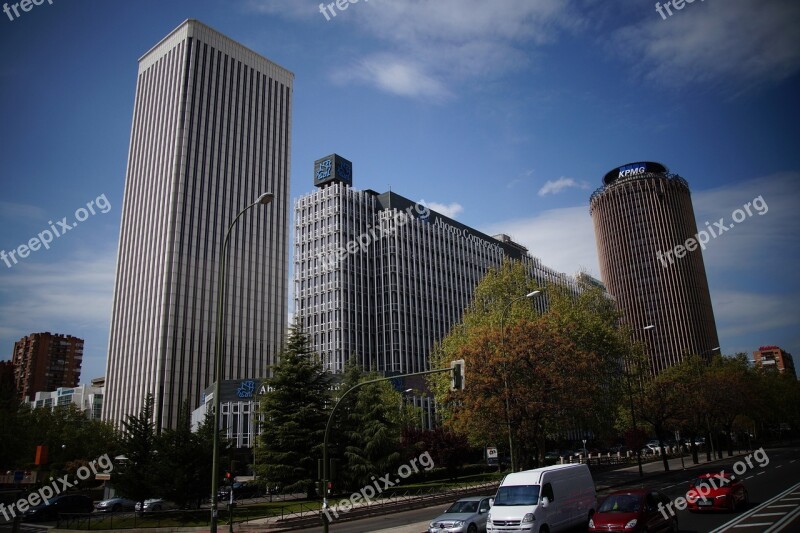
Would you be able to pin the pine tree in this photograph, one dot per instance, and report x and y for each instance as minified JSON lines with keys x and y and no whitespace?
{"x":136,"y":477}
{"x":294,"y":413}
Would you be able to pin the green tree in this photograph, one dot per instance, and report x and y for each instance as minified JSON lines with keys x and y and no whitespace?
{"x":294,"y":411}
{"x":136,"y":476}
{"x":366,"y":432}
{"x":182,"y":470}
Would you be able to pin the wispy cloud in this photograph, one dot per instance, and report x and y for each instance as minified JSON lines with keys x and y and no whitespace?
{"x":9,"y":210}
{"x":562,"y":238}
{"x":439,"y":43}
{"x":556,"y":186}
{"x":449,"y":210}
{"x":69,"y":295}
{"x":736,"y":41}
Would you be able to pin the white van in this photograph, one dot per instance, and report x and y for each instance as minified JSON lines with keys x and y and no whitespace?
{"x":544,"y":500}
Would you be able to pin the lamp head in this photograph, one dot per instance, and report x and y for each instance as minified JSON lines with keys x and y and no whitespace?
{"x":265,"y":198}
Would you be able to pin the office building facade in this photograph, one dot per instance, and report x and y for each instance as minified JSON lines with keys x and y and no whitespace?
{"x":381,"y":278}
{"x":641,"y":215}
{"x":87,"y":398}
{"x":46,"y":361}
{"x":211,"y":132}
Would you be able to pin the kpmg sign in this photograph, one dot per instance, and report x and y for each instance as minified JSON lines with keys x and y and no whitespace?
{"x":333,"y":168}
{"x":634,"y":169}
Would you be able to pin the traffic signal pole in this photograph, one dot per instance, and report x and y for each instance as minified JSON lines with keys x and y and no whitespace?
{"x":457,"y":370}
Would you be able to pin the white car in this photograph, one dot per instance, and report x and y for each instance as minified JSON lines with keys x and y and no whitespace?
{"x":155,"y":504}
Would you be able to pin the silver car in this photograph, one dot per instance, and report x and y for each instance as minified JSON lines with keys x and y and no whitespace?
{"x":467,"y":515}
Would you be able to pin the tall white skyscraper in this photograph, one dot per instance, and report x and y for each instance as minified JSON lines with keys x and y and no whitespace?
{"x":211,"y":132}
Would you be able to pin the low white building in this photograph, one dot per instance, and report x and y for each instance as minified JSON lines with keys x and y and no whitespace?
{"x":88,"y":398}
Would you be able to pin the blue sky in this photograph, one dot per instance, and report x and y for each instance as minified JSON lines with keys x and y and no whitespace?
{"x":503,"y":114}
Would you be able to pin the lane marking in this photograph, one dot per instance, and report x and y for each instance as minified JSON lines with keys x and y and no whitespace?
{"x":782,"y":505}
{"x":784,"y":521}
{"x":760,"y":524}
{"x":769,"y":514}
{"x":748,"y":514}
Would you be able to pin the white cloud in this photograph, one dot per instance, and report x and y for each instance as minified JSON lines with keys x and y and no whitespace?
{"x":739,"y":41}
{"x":9,"y":210}
{"x":394,"y":75}
{"x":744,"y":246}
{"x":68,"y":295}
{"x":562,"y":238}
{"x":449,"y":210}
{"x":435,"y":43}
{"x":556,"y":186}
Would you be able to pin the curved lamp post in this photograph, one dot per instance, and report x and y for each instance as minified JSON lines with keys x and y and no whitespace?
{"x":264,"y":199}
{"x":505,"y":371}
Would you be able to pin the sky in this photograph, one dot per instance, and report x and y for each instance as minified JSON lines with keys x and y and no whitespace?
{"x":504,"y":115}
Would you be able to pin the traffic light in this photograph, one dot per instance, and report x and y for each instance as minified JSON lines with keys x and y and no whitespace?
{"x":228,"y":476}
{"x":457,"y":375}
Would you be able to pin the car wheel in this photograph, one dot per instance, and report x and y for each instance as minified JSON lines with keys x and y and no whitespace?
{"x":116,"y":508}
{"x":746,"y":499}
{"x":675,"y":528}
{"x":544,"y":529}
{"x":472,"y":528}
{"x":733,"y":503}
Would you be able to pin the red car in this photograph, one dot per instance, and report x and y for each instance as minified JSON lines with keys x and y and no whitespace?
{"x":632,"y":511}
{"x":716,"y":492}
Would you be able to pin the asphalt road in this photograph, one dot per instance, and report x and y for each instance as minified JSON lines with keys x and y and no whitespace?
{"x":774,"y":491}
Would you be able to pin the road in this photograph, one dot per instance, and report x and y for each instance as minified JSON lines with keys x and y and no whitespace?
{"x":774,"y":491}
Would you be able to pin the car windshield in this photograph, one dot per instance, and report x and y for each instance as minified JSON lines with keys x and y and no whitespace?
{"x":463,"y":507}
{"x":621,"y":503}
{"x":517,"y":495}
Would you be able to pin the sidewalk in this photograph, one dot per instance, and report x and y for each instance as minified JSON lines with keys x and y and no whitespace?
{"x":630,"y":475}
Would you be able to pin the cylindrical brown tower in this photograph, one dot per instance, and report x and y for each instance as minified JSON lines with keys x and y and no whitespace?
{"x":652,"y":263}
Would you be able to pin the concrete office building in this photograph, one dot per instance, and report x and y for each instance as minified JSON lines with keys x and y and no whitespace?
{"x":382,"y":278}
{"x":211,"y":132}
{"x":46,"y":361}
{"x":641,"y":214}
{"x":87,"y":398}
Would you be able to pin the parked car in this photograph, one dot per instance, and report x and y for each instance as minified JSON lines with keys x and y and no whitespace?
{"x":155,"y":504}
{"x":113,"y":505}
{"x":633,"y":511}
{"x":716,"y":492}
{"x":65,"y":503}
{"x":554,"y":498}
{"x":651,"y":449}
{"x":467,"y":515}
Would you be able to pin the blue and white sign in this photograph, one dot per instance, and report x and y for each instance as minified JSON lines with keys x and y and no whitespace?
{"x":333,"y":168}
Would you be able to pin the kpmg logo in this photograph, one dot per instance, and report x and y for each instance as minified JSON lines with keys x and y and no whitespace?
{"x":324,"y":169}
{"x":246,"y":389}
{"x":632,"y":170}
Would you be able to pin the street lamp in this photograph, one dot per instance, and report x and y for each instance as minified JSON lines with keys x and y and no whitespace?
{"x":264,"y":199}
{"x":505,"y":371}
